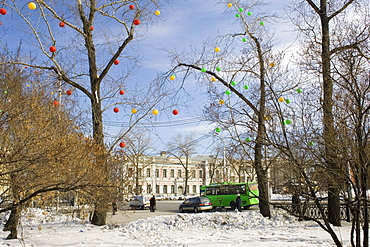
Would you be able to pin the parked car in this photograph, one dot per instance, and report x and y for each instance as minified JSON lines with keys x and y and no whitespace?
{"x":160,"y":198}
{"x":196,"y":204}
{"x":139,"y":202}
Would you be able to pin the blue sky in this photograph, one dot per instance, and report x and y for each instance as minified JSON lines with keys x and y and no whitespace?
{"x":191,"y":23}
{"x":180,"y":25}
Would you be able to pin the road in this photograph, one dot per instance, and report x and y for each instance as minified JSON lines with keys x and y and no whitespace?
{"x":163,"y":208}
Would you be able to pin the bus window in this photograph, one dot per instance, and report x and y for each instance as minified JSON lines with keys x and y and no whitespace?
{"x":240,"y":189}
{"x":253,"y":186}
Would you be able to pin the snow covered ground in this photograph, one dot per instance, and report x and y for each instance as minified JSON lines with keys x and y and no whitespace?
{"x":249,"y":228}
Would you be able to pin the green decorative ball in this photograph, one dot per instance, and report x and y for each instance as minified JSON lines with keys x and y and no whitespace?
{"x":237,"y":15}
{"x":299,"y":90}
{"x":241,"y":9}
{"x":227,"y":92}
{"x":249,"y":13}
{"x":246,"y":87}
{"x":233,"y":83}
{"x":287,"y":101}
{"x":203,"y":70}
{"x":262,"y":23}
{"x":311,"y":144}
{"x":218,"y":130}
{"x":218,"y":69}
{"x":244,"y":40}
{"x":248,"y":139}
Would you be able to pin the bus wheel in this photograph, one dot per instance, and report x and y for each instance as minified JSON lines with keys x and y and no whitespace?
{"x":232,"y":205}
{"x":181,"y":210}
{"x":196,"y":210}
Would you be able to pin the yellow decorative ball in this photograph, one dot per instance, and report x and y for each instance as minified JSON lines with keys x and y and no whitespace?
{"x":221,"y":102}
{"x":157,"y":12}
{"x":272,"y":64}
{"x":134,"y":111}
{"x":172,"y":77}
{"x":281,"y":99}
{"x":217,"y":49}
{"x":229,"y":5}
{"x":32,"y":5}
{"x":213,"y":79}
{"x":155,"y":112}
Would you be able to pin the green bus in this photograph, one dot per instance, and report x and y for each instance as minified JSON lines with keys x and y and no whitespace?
{"x":224,"y":194}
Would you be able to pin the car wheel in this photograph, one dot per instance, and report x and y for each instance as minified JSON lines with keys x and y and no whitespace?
{"x":233,"y":205}
{"x":181,"y":210}
{"x":196,"y":210}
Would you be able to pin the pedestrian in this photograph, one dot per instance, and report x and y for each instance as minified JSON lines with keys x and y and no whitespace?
{"x":238,"y":203}
{"x":114,"y":207}
{"x":152,"y":204}
{"x":296,"y":204}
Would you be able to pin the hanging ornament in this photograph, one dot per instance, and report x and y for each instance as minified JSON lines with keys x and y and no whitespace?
{"x":155,"y":112}
{"x":281,"y":99}
{"x":203,"y":70}
{"x":299,"y":90}
{"x":287,"y":101}
{"x":217,"y":49}
{"x":227,"y":92}
{"x":116,"y":62}
{"x":172,"y":77}
{"x":92,"y":28}
{"x":311,"y":143}
{"x":175,"y":112}
{"x":53,"y":49}
{"x":133,"y":111}
{"x":131,"y":6}
{"x":121,"y":92}
{"x":3,"y":11}
{"x":248,"y":139}
{"x":272,"y":64}
{"x":237,"y":15}
{"x":229,"y":5}
{"x":157,"y":12}
{"x":249,"y":13}
{"x":62,"y":24}
{"x":233,"y":83}
{"x":31,"y":5}
{"x":246,"y":87}
{"x":69,"y":92}
{"x":122,"y":144}
{"x":55,"y":103}
{"x":137,"y":22}
{"x":262,"y":23}
{"x":241,"y":9}
{"x":218,"y":130}
{"x":221,"y":102}
{"x":213,"y":79}
{"x":244,"y":40}
{"x":218,"y":68}
{"x":116,"y":109}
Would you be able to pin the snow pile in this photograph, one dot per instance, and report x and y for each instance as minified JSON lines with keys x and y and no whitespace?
{"x":248,"y":228}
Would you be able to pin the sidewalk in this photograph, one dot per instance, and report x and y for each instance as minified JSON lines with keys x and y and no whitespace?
{"x":126,"y":216}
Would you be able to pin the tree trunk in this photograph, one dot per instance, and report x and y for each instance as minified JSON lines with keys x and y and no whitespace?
{"x":328,"y":122}
{"x":12,"y":223}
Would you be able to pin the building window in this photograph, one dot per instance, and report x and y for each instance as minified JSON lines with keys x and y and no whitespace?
{"x":129,"y":172}
{"x":194,"y":189}
{"x":164,"y":189}
{"x":139,"y":172}
{"x":157,"y":189}
{"x":157,"y":173}
{"x":148,"y":172}
{"x":172,"y":189}
{"x":179,"y":174}
{"x":164,"y":173}
{"x":172,"y":173}
{"x":193,"y":173}
{"x":200,"y":174}
{"x":187,"y":189}
{"x":149,"y":188}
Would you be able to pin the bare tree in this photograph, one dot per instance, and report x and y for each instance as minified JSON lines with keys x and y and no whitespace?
{"x":99,"y":33}
{"x":182,"y":148}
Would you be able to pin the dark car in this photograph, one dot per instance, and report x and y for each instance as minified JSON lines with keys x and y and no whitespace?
{"x":196,"y":204}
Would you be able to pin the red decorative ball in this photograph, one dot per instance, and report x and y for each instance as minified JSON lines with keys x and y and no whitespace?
{"x":92,"y":28}
{"x":62,"y":24}
{"x":1,"y":23}
{"x":53,"y":49}
{"x":116,"y":62}
{"x":131,"y":6}
{"x":175,"y":112}
{"x":3,"y":11}
{"x":137,"y":22}
{"x":69,"y":92}
{"x":55,"y":103}
{"x":122,"y":144}
{"x":116,"y":109}
{"x":121,"y":92}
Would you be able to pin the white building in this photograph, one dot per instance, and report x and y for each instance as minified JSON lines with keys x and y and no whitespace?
{"x":164,"y":175}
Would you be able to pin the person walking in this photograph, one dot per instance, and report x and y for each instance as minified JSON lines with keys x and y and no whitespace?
{"x":238,"y":203}
{"x":152,"y":204}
